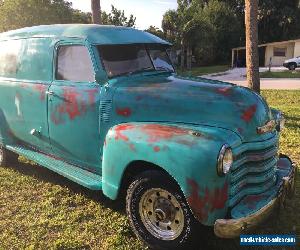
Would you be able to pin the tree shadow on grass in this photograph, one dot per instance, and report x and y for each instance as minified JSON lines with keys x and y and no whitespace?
{"x":43,"y":174}
{"x":292,"y":118}
{"x":206,"y":239}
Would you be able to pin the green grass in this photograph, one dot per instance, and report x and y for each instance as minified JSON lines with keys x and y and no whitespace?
{"x":199,"y":71}
{"x":42,"y":210}
{"x":284,"y":74}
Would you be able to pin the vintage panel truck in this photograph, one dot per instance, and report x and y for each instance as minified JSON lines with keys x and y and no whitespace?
{"x":102,"y":106}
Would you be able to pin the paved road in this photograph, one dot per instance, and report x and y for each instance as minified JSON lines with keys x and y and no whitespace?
{"x":237,"y":76}
{"x":273,"y":83}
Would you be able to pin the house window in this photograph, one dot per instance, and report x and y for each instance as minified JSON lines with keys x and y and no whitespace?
{"x":280,"y":52}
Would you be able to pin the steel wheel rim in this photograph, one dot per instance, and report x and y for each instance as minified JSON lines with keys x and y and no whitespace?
{"x":161,"y":214}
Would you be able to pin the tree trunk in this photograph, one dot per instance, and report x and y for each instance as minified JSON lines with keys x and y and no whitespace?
{"x":96,"y":11}
{"x":189,"y":57}
{"x":252,"y":57}
{"x":182,"y":55}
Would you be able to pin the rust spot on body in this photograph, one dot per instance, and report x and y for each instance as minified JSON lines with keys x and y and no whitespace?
{"x":92,"y":95}
{"x":156,"y":149}
{"x":41,"y":88}
{"x":206,"y":201}
{"x":156,"y":132}
{"x":120,"y":129}
{"x":123,"y":112}
{"x":252,"y":201}
{"x":71,"y":106}
{"x":249,"y":113}
{"x":226,"y":91}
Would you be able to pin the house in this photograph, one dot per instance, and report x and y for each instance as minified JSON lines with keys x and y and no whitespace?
{"x":276,"y":53}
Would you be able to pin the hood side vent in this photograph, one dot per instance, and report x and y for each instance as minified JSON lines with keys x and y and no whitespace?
{"x":105,"y":110}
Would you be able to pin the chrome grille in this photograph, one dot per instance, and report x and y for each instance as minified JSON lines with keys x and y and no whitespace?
{"x":253,"y":172}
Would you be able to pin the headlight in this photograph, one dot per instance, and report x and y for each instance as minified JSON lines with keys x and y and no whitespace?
{"x":225,"y":160}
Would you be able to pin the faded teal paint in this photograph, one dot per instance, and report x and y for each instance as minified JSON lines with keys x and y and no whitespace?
{"x":172,"y":147}
{"x":178,"y":124}
{"x":95,"y":34}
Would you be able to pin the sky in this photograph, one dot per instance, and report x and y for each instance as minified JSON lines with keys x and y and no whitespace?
{"x":147,"y":12}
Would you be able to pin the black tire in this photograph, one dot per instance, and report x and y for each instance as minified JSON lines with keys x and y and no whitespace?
{"x":7,"y":157}
{"x":292,"y":66}
{"x":145,"y":183}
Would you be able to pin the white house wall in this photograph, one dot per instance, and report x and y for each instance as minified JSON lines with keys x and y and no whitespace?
{"x":297,"y":49}
{"x":278,"y":60}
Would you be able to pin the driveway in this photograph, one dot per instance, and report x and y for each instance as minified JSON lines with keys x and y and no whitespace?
{"x":238,"y":76}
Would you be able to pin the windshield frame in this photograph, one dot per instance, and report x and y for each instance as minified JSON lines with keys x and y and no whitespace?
{"x":147,"y":47}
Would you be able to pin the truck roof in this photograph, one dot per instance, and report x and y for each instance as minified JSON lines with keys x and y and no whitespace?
{"x":96,"y":34}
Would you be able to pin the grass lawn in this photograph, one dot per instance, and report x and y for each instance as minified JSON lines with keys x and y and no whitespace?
{"x":199,"y":71}
{"x":42,"y":210}
{"x":284,"y":74}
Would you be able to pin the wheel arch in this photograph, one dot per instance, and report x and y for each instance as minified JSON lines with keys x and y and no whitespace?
{"x":138,"y":167}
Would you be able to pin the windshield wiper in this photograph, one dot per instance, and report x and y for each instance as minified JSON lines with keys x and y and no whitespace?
{"x":162,"y":68}
{"x":139,"y":71}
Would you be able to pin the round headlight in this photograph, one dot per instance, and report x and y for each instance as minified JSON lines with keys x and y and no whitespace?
{"x":225,"y":160}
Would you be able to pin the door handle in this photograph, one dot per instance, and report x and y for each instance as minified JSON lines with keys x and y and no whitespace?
{"x":49,"y":93}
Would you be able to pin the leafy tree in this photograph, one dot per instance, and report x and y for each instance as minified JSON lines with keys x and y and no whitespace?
{"x":19,"y":13}
{"x":117,"y":17}
{"x":81,"y":17}
{"x":16,"y":14}
{"x":277,"y":19}
{"x":171,"y":27}
{"x":156,"y":31}
{"x":207,"y":28}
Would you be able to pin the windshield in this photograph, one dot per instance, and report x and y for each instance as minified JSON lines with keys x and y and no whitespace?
{"x":128,"y":59}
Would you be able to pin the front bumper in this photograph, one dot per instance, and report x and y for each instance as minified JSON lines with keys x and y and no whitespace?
{"x":286,"y":174}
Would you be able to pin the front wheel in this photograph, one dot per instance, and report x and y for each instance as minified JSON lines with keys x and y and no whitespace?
{"x":158,"y":212}
{"x":292,"y":66}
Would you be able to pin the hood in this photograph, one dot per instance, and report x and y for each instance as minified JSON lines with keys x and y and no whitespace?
{"x":165,"y":98}
{"x":290,"y":60}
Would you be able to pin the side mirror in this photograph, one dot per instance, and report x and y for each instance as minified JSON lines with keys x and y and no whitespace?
{"x":101,"y":77}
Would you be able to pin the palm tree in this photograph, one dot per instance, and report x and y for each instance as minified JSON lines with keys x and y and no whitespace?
{"x":252,"y":57}
{"x":96,"y":11}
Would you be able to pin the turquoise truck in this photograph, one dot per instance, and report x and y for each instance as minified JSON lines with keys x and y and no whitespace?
{"x":104,"y":107}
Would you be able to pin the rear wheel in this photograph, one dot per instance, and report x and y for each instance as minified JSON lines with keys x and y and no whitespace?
{"x":292,"y":66}
{"x":158,"y":212}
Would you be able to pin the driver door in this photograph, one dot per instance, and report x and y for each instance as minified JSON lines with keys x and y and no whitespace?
{"x":73,"y":108}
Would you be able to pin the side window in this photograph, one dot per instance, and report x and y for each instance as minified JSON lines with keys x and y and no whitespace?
{"x":74,"y":64}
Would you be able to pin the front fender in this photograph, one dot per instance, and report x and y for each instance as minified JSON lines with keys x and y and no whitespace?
{"x":188,"y":153}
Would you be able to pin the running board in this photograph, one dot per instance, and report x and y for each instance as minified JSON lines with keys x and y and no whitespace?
{"x":83,"y":177}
